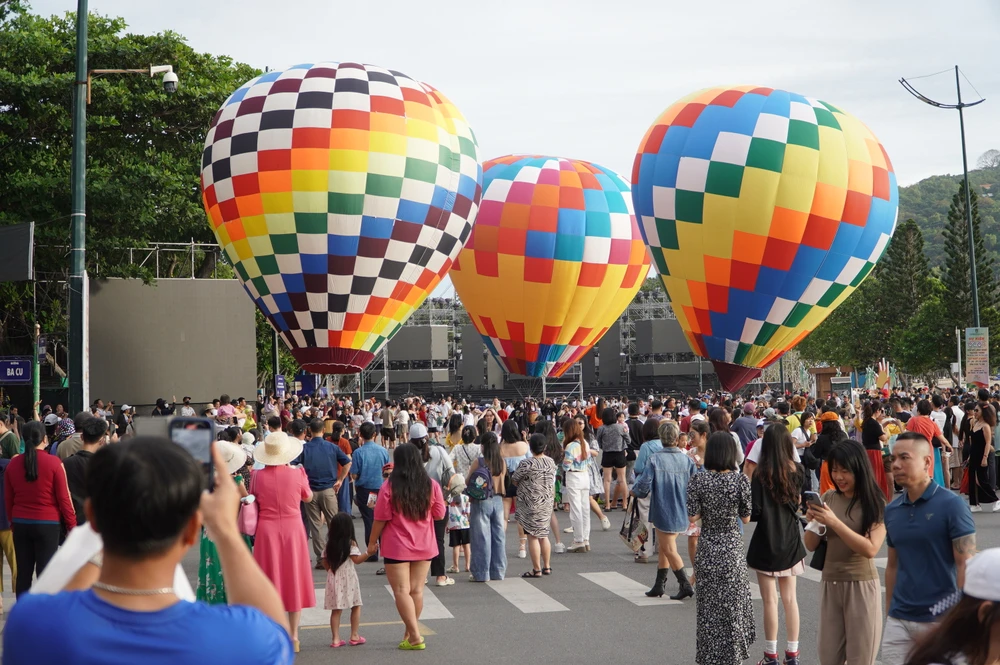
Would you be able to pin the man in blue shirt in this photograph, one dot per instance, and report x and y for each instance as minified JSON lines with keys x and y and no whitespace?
{"x":145,"y":499}
{"x":930,"y":535}
{"x":366,"y":469}
{"x":320,"y":459}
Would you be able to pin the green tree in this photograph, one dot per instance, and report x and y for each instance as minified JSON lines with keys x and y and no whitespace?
{"x":856,"y":333}
{"x":926,"y":341}
{"x":955,"y":277}
{"x":903,"y":270}
{"x":143,"y":151}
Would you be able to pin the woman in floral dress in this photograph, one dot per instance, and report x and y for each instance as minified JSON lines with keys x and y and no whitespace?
{"x":720,"y":497}
{"x":211,"y":586}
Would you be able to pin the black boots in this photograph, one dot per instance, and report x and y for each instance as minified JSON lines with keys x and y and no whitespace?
{"x":661,"y":578}
{"x":686,"y":590}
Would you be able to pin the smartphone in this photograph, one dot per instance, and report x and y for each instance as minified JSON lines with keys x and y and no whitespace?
{"x":813,"y":499}
{"x":197,"y":436}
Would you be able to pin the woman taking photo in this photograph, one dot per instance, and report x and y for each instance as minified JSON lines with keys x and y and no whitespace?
{"x":486,"y":526}
{"x":850,"y":620}
{"x":535,"y":479}
{"x":576,"y":462}
{"x":873,"y":438}
{"x":38,"y":504}
{"x":513,"y":450}
{"x":613,"y":439}
{"x":984,"y":421}
{"x":720,"y":498}
{"x":664,"y":479}
{"x":280,"y":545}
{"x":969,"y":634}
{"x":776,"y":549}
{"x":408,"y":505}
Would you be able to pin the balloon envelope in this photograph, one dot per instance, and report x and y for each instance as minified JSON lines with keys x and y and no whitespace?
{"x":763,"y":210}
{"x":553,"y":259}
{"x":341,"y":193}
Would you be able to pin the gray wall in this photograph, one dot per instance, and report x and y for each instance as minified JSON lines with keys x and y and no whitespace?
{"x":175,"y":337}
{"x":589,"y":369}
{"x":672,"y":369}
{"x":419,"y":343}
{"x":494,"y":372}
{"x":660,"y":336}
{"x":609,"y":351}
{"x":473,"y":367}
{"x":397,"y":376}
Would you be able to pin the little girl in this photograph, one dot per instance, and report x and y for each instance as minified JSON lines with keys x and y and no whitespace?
{"x":342,"y":588}
{"x":458,"y":524}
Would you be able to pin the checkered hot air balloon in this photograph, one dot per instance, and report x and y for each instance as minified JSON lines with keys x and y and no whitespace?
{"x":553,"y":259}
{"x":341,"y":193}
{"x":763,"y":210}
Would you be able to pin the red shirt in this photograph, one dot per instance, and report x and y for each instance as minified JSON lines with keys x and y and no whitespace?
{"x":402,"y":538}
{"x":924,"y":425}
{"x":45,"y":499}
{"x":345,"y":446}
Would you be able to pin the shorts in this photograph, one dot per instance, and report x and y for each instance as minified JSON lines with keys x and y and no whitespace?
{"x":390,"y":562}
{"x":457,"y":537}
{"x":432,"y":430}
{"x":388,"y":433}
{"x":795,"y":570}
{"x":614,"y":460}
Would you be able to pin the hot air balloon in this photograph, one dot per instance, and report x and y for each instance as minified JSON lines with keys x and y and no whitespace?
{"x":763,"y":210}
{"x":341,"y":193}
{"x":553,"y":259}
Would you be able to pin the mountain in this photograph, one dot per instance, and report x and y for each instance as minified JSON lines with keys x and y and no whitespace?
{"x":927,"y":202}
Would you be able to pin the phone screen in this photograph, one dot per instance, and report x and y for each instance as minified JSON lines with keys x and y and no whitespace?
{"x":196,"y":435}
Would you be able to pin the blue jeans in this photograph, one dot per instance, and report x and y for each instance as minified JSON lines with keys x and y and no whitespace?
{"x":344,"y":497}
{"x":486,"y":535}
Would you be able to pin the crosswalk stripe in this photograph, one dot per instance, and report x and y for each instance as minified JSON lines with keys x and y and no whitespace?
{"x":526,"y":597}
{"x":433,"y":607}
{"x":317,"y":616}
{"x":627,"y":588}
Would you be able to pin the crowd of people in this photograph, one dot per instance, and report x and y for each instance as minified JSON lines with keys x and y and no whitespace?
{"x":837,"y":477}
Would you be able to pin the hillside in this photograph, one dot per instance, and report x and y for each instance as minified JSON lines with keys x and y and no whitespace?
{"x":927,"y":203}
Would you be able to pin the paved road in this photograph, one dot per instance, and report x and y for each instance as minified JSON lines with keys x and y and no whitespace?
{"x":590,"y":610}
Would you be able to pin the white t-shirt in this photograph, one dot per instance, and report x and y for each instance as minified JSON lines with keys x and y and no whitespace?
{"x":959,"y":414}
{"x":754,"y":454}
{"x":939,"y":417}
{"x":799,"y":437}
{"x":736,"y":442}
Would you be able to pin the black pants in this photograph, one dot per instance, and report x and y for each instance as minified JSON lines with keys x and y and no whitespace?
{"x":34,"y":545}
{"x":367,"y":515}
{"x":437,"y":563}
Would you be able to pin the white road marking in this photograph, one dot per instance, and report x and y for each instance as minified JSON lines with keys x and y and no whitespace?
{"x":526,"y":597}
{"x":627,"y":588}
{"x":317,"y":616}
{"x":433,"y":608}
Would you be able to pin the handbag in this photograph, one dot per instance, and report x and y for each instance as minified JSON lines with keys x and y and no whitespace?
{"x":819,"y":556}
{"x":633,"y":532}
{"x":246,"y":521}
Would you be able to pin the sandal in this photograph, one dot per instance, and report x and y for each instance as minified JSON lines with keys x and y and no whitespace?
{"x":546,"y":571}
{"x":533,"y":573}
{"x":337,"y":645}
{"x":356,"y":643}
{"x":419,"y":646}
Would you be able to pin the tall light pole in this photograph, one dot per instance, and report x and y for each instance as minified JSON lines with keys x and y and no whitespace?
{"x":78,"y":289}
{"x":965,"y":169}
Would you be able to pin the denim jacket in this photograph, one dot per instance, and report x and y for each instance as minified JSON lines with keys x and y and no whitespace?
{"x":665,"y":481}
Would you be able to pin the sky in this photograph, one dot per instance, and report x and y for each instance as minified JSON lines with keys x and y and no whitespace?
{"x":585,"y":79}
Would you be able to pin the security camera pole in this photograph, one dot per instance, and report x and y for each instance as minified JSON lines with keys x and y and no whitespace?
{"x":79,"y":291}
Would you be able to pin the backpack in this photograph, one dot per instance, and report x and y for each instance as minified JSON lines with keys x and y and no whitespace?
{"x":480,"y":485}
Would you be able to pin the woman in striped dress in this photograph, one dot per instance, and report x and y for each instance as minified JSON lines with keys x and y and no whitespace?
{"x":535,"y":478}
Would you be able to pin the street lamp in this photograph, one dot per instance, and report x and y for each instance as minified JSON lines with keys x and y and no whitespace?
{"x":79,"y":295}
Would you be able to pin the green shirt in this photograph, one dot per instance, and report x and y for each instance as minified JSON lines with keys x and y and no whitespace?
{"x":10,"y":445}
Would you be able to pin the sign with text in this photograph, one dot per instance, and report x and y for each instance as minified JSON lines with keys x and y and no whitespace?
{"x":977,"y":356}
{"x":279,"y":386}
{"x":15,"y":370}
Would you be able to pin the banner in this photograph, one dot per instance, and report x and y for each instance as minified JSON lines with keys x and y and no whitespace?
{"x":977,"y":357}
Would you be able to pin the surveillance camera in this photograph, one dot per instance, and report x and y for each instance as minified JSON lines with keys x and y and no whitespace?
{"x":170,"y":82}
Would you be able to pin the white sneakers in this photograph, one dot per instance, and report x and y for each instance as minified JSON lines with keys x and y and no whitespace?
{"x":568,"y":529}
{"x":996,"y":507}
{"x":975,"y":509}
{"x":605,"y":523}
{"x":577,"y":547}
{"x":559,"y":548}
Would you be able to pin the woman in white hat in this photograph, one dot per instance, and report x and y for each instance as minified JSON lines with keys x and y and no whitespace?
{"x":211,"y":586}
{"x":969,"y":634}
{"x":280,"y":545}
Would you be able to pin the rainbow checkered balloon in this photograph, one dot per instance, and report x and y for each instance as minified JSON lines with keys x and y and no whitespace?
{"x":763,"y":211}
{"x":554,"y":258}
{"x":341,"y":193}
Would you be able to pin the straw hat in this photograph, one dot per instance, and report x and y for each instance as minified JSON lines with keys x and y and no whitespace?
{"x":277,"y":449}
{"x":233,"y":454}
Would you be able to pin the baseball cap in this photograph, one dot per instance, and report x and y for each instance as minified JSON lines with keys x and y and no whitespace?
{"x":51,"y":419}
{"x":981,"y":580}
{"x":748,"y":408}
{"x":770,"y":414}
{"x":418,"y":431}
{"x":125,"y":407}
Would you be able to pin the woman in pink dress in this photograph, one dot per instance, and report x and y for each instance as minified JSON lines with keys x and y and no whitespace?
{"x":280,"y":546}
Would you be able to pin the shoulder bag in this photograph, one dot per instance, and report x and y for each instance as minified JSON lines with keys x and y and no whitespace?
{"x":247,"y":519}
